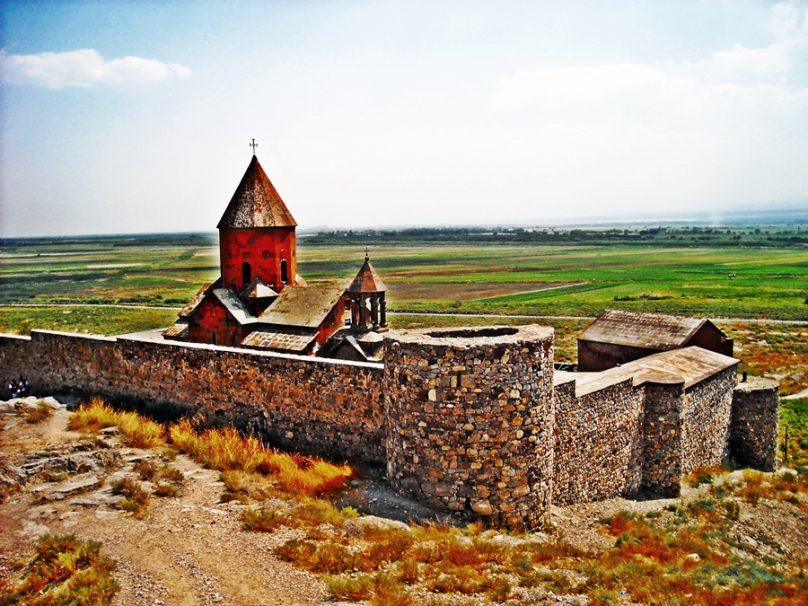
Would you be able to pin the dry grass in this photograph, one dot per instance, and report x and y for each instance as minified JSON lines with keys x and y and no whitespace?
{"x":64,"y":571}
{"x":244,"y":460}
{"x":137,"y":430}
{"x":39,"y":413}
{"x":227,"y":450}
{"x":135,"y":500}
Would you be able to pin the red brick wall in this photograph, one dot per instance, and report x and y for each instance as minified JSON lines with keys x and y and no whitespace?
{"x":263,"y":249}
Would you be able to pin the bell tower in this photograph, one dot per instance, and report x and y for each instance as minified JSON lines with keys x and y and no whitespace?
{"x":257,"y":235}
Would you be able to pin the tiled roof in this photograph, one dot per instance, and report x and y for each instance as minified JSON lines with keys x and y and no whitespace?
{"x":367,"y":280}
{"x":178,"y":330}
{"x":647,"y":331}
{"x":256,"y":203}
{"x":305,"y":306}
{"x":279,"y":340}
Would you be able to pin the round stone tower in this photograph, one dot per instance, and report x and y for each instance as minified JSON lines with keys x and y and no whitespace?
{"x":470,"y":417}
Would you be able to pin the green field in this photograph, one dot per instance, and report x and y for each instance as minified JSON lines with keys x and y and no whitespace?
{"x":538,"y":279}
{"x":113,"y":285}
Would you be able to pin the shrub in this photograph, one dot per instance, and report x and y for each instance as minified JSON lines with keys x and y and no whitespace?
{"x":349,"y":588}
{"x":146,"y":469}
{"x":164,"y":489}
{"x":39,"y":413}
{"x":263,"y":519}
{"x":65,"y":571}
{"x":135,"y":498}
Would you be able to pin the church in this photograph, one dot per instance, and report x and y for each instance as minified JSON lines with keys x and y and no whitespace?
{"x":261,"y":302}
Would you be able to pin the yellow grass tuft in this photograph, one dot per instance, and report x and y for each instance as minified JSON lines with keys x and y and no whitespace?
{"x":137,"y":430}
{"x":38,"y":414}
{"x":227,"y":450}
{"x":223,"y":449}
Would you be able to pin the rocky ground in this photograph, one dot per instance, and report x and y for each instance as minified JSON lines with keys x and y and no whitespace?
{"x":190,"y":549}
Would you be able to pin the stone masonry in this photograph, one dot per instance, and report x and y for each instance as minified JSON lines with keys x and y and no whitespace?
{"x":470,"y":420}
{"x":465,"y":419}
{"x":754,"y":426}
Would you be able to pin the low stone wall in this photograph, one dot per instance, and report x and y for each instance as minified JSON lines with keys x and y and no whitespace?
{"x":470,"y":420}
{"x":706,"y":411}
{"x":755,"y":414}
{"x":598,"y":443}
{"x":300,"y":403}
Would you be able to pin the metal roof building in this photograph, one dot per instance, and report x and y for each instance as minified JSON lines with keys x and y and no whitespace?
{"x":617,"y":337}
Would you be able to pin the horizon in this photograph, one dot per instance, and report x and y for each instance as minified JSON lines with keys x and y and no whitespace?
{"x":123,"y":118}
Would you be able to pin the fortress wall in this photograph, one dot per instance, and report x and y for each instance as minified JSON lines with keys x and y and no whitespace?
{"x":299,"y":403}
{"x":470,"y":420}
{"x":754,"y":425}
{"x":662,"y":438}
{"x":705,"y":416}
{"x":598,"y":443}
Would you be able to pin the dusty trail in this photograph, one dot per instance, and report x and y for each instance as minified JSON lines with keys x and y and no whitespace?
{"x":186,"y":551}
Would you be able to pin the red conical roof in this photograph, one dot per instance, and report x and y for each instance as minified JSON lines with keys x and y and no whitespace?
{"x":256,"y":203}
{"x":367,"y":280}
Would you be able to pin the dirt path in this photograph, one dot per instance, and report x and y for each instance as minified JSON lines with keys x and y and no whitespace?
{"x":186,"y":551}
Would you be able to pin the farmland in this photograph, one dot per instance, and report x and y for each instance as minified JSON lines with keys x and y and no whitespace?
{"x":113,"y":285}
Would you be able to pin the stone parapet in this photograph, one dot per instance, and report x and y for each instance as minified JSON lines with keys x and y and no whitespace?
{"x":598,"y":446}
{"x":470,"y":420}
{"x":754,"y":425}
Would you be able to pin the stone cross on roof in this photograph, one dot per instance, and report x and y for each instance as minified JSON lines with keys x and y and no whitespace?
{"x":253,"y":145}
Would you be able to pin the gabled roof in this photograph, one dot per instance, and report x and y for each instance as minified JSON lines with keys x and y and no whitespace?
{"x":257,"y":290}
{"x":256,"y":203}
{"x":646,"y":331}
{"x":199,"y":297}
{"x":688,"y":366}
{"x":234,"y":306}
{"x":367,"y":280}
{"x":302,"y":306}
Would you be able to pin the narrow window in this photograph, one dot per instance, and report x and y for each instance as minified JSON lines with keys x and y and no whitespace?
{"x":284,"y":271}
{"x":246,"y":273}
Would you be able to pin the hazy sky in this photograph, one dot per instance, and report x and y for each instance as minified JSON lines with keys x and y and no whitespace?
{"x":136,"y":116}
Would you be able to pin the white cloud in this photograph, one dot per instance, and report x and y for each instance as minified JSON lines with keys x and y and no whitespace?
{"x":84,"y":68}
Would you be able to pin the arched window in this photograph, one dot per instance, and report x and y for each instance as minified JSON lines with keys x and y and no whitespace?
{"x":246,"y":273}
{"x":284,"y":271}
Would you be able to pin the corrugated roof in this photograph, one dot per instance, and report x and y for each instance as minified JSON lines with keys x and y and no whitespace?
{"x":256,"y":203}
{"x":305,"y":306}
{"x":367,"y":280}
{"x":279,"y":340}
{"x":234,"y":306}
{"x":648,"y":331}
{"x":689,"y":365}
{"x":258,"y":290}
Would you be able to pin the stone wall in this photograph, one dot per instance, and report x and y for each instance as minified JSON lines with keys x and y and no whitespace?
{"x":755,"y":412}
{"x":301,"y":403}
{"x":466,"y":419}
{"x":706,"y":410}
{"x":598,"y":442}
{"x":470,"y":420}
{"x":662,"y":438}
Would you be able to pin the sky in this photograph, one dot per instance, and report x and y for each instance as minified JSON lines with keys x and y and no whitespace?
{"x":122,"y":117}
